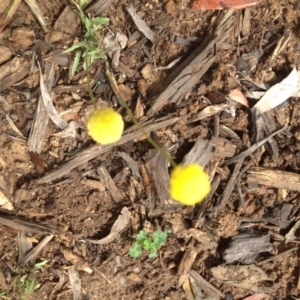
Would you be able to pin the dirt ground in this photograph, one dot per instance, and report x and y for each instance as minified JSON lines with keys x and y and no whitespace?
{"x":90,"y":186}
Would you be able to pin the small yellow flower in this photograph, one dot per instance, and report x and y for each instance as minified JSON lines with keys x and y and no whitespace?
{"x":105,"y":126}
{"x":189,"y":184}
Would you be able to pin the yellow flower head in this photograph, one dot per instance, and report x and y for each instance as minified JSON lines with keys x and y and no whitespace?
{"x":105,"y":126}
{"x":189,"y":184}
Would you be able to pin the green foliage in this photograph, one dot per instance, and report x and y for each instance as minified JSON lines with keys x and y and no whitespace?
{"x":90,"y":48}
{"x":25,"y":281}
{"x":28,"y":283}
{"x":150,"y":244}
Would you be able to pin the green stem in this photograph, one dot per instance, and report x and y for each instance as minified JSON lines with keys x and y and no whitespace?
{"x":89,"y":83}
{"x":122,"y":101}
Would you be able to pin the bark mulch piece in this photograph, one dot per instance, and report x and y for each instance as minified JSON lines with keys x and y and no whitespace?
{"x":193,"y":79}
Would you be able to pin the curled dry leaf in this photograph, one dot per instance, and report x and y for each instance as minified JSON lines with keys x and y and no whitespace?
{"x":237,"y":96}
{"x":112,"y":44}
{"x":118,"y":226}
{"x":69,"y":131}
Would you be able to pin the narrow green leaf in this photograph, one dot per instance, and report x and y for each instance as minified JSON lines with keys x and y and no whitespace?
{"x":88,"y":24}
{"x":30,"y":286}
{"x":76,"y":62}
{"x":100,"y":21}
{"x":74,"y":47}
{"x":41,"y":264}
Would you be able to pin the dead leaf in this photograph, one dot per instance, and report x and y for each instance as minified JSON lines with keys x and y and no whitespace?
{"x":237,"y":96}
{"x":245,"y":277}
{"x":118,"y":226}
{"x":75,"y":283}
{"x":278,"y":93}
{"x":69,"y":131}
{"x":209,"y":111}
{"x":141,"y":25}
{"x":77,"y":261}
{"x":112,"y":44}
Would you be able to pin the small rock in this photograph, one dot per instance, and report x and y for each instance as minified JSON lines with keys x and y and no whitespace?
{"x":134,"y":277}
{"x":171,"y":265}
{"x":147,"y":71}
{"x":136,"y":270}
{"x":297,"y":135}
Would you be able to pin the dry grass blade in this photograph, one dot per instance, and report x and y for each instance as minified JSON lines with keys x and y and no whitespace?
{"x":8,"y":14}
{"x":141,"y":25}
{"x":55,"y":117}
{"x":249,"y":151}
{"x":25,"y":225}
{"x":29,"y":259}
{"x":37,"y":12}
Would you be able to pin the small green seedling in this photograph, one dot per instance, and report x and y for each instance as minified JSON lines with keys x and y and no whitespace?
{"x":151,"y":244}
{"x":25,"y":281}
{"x":90,"y":47}
{"x":28,"y":283}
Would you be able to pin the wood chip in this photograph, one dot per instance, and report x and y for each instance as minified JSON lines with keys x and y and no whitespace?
{"x":246,"y":247}
{"x":223,"y":147}
{"x":109,"y":183}
{"x":13,"y":71}
{"x":274,"y":178}
{"x":67,"y":21}
{"x":290,"y":236}
{"x":157,"y":167}
{"x":93,"y":151}
{"x":48,"y":103}
{"x":222,"y":201}
{"x":190,"y":71}
{"x":185,"y":265}
{"x":201,"y":153}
